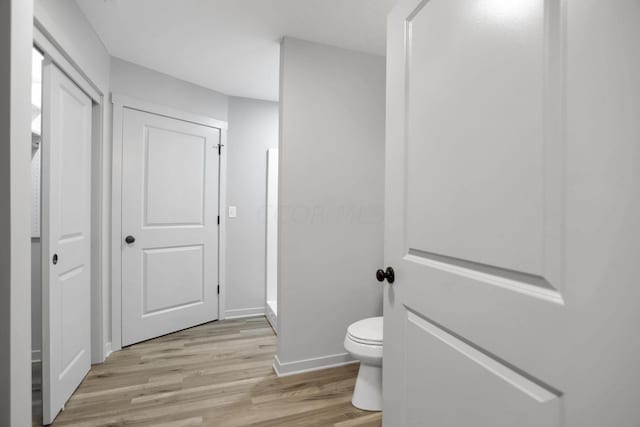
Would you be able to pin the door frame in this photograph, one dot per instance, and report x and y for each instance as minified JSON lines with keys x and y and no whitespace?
{"x":120,"y":102}
{"x":44,"y":42}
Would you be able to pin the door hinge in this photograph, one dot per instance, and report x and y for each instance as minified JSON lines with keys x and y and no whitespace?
{"x":218,"y":219}
{"x":218,"y":289}
{"x":220,"y":149}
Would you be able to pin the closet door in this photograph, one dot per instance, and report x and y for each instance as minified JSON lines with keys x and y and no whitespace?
{"x":66,"y":239}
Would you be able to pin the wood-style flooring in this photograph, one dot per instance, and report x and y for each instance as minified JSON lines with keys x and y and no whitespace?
{"x":217,"y":374}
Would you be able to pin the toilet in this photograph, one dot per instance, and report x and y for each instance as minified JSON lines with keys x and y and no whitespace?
{"x":364,"y":342}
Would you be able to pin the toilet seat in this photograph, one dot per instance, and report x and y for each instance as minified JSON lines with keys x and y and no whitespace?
{"x":367,"y":331}
{"x":363,"y":341}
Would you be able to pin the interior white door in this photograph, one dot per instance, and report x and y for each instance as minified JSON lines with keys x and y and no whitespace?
{"x":66,"y":239}
{"x":511,"y":198}
{"x":170,"y":207}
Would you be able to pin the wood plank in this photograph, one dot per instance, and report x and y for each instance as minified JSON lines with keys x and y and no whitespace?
{"x":216,"y":374}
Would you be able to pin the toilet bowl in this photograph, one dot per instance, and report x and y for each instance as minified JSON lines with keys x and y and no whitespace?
{"x":364,"y":342}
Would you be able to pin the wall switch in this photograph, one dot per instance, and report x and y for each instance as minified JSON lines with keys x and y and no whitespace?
{"x":233,"y":212}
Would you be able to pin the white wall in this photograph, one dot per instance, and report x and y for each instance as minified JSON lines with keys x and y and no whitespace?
{"x":16,"y":17}
{"x":64,"y":22}
{"x":151,"y":86}
{"x":253,"y":128}
{"x":331,"y":190}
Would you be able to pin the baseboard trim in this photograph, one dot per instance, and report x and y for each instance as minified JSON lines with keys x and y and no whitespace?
{"x":309,"y":365}
{"x":244,"y":312}
{"x":36,"y":356}
{"x":107,"y":350}
{"x":272,"y":317}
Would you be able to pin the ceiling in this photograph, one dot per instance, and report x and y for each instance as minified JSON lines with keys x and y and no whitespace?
{"x":231,"y":46}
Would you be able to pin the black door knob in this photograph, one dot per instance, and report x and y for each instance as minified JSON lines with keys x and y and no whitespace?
{"x":388,"y":274}
{"x":129,"y":239}
{"x":54,"y":260}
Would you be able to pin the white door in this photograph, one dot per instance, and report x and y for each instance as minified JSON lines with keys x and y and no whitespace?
{"x":512,"y":214}
{"x":66,"y":239}
{"x":169,"y":225}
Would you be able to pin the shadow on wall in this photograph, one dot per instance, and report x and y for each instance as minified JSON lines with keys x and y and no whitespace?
{"x":331,"y":200}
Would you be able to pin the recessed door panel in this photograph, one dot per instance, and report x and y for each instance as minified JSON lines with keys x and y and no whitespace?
{"x":173,"y":278}
{"x":475,"y":140}
{"x":169,"y":225}
{"x":72,"y":289}
{"x":71,"y":154}
{"x":174,"y":194}
{"x":483,"y":392}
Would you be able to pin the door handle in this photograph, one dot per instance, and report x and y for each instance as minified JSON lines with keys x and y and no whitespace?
{"x":389,"y":274}
{"x":129,"y":239}
{"x":54,"y":260}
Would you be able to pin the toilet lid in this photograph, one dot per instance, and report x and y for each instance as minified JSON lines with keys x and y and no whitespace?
{"x":367,"y":331}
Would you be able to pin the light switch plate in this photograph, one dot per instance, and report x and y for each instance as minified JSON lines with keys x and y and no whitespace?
{"x":233,"y":212}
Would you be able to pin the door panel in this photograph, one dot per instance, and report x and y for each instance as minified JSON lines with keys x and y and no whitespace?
{"x":483,"y":392}
{"x":165,"y":266}
{"x":170,"y":207}
{"x":66,"y":225}
{"x":501,"y":313}
{"x":467,"y":73}
{"x":172,"y":200}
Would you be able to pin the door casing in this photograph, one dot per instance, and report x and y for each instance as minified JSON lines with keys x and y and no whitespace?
{"x":120,"y":102}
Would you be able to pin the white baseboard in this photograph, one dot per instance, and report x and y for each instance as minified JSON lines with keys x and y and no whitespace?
{"x":310,"y":365}
{"x":107,"y":350}
{"x":244,"y":312}
{"x":272,"y":317}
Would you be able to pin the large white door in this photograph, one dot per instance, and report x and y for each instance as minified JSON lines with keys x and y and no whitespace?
{"x":169,"y":225}
{"x":512,"y":214}
{"x":66,"y":239}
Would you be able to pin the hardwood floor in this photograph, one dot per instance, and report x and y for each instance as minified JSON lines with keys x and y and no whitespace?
{"x":218,"y":374}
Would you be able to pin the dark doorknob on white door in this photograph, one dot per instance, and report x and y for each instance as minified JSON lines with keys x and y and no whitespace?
{"x":388,"y":274}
